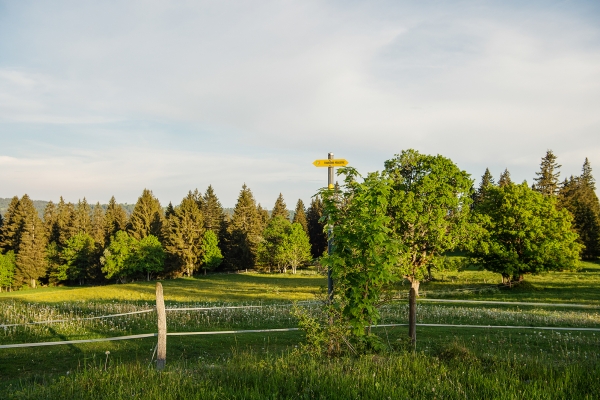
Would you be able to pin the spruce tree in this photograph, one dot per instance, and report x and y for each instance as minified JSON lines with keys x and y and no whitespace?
{"x":147,"y":217}
{"x":51,"y":222}
{"x":280,"y":209}
{"x":243,"y":232}
{"x":316,"y":229}
{"x":115,"y":219}
{"x":82,"y":218}
{"x":169,"y":211}
{"x":577,"y":195}
{"x":487,"y":180}
{"x":98,"y":225}
{"x":263,"y":216}
{"x":212,"y":211}
{"x":300,"y":215}
{"x":11,"y":230}
{"x":64,"y":221}
{"x":31,"y":249}
{"x":504,"y":178}
{"x":547,"y":182}
{"x":185,"y":229}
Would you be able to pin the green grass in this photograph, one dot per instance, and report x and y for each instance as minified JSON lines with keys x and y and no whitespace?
{"x":456,"y":362}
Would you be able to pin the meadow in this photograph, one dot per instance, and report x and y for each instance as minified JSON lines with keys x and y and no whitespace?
{"x":450,"y":362}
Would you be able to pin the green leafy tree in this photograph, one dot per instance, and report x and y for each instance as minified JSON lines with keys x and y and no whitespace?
{"x":524,"y":232}
{"x":31,"y":248}
{"x":119,"y":258}
{"x":280,"y":209}
{"x":300,"y":215}
{"x":547,"y":182}
{"x":429,"y":207}
{"x":147,"y":217}
{"x":504,"y":178}
{"x":244,"y":232}
{"x":363,"y":261}
{"x":150,"y":256}
{"x":211,"y":254}
{"x":184,"y":234}
{"x":270,"y":249}
{"x":295,"y":248}
{"x":7,"y":270}
{"x":78,"y":259}
{"x":316,"y":227}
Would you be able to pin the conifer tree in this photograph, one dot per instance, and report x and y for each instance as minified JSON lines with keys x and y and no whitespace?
{"x":185,"y":229}
{"x":577,"y":195}
{"x":504,"y":178}
{"x":31,"y":247}
{"x":316,"y":229}
{"x":51,"y":222}
{"x":212,"y":211}
{"x":547,"y":182}
{"x":263,"y":216}
{"x":300,"y":215}
{"x":115,"y":219}
{"x":147,"y":217}
{"x":81,"y":218}
{"x":169,"y":211}
{"x":487,"y":180}
{"x":11,"y":231}
{"x":7,"y":270}
{"x":243,"y":232}
{"x":64,"y":221}
{"x":98,"y":225}
{"x":280,"y":208}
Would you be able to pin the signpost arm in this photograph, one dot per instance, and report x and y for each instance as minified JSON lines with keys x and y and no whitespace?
{"x":329,"y":234}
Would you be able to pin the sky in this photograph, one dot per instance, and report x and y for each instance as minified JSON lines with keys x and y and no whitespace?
{"x":103,"y":98}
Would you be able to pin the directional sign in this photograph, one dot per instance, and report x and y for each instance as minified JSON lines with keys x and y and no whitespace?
{"x":340,"y":162}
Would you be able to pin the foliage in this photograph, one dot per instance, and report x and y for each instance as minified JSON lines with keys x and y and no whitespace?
{"x":115,"y":219}
{"x":429,"y":207}
{"x":31,"y":245}
{"x":212,"y":211}
{"x":364,"y":257}
{"x":7,"y":269}
{"x":78,"y":259}
{"x":280,"y":209}
{"x":295,"y":247}
{"x":504,"y":178}
{"x":524,"y":233}
{"x":119,"y":260}
{"x":149,"y":256}
{"x":300,"y":215}
{"x":487,"y":180}
{"x":270,"y":248}
{"x":211,"y":254}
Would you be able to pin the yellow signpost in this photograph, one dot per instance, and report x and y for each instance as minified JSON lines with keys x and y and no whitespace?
{"x":340,"y":162}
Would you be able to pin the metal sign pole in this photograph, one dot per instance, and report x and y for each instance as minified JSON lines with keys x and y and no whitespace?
{"x":329,"y":234}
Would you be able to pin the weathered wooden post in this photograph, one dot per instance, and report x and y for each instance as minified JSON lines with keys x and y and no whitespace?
{"x":161,"y":355}
{"x":412,"y":317}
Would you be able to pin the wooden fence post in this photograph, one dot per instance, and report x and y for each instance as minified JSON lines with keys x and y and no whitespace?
{"x":161,"y":355}
{"x":412,"y":317}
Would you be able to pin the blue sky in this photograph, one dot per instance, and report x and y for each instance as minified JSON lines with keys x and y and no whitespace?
{"x":107,"y":98}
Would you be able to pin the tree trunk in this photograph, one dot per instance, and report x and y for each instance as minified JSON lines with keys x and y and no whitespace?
{"x":33,"y":283}
{"x":412,"y":316}
{"x":429,"y":276}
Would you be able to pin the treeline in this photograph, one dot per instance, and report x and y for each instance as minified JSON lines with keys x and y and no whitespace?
{"x":80,"y":243}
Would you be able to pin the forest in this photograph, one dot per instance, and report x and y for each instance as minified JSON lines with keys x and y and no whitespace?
{"x":514,"y":229}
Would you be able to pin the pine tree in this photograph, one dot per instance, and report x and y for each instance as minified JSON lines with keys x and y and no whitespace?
{"x":184,"y":234}
{"x":243,"y":232}
{"x":213,"y":211}
{"x":11,"y":230}
{"x":64,"y":221}
{"x":263,"y":216}
{"x":300,"y":215}
{"x":487,"y":180}
{"x":31,"y":249}
{"x":280,"y":208}
{"x":115,"y":219}
{"x":51,"y":222}
{"x":169,"y":211}
{"x":316,"y":229}
{"x":547,"y":182}
{"x":147,"y":217}
{"x":504,"y":178}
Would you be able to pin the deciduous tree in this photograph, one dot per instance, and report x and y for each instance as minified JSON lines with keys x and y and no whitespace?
{"x":211,"y":254}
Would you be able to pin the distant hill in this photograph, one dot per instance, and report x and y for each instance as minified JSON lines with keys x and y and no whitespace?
{"x":40,"y":205}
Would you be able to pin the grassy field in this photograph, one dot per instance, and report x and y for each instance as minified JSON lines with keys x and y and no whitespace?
{"x":449,"y":362}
